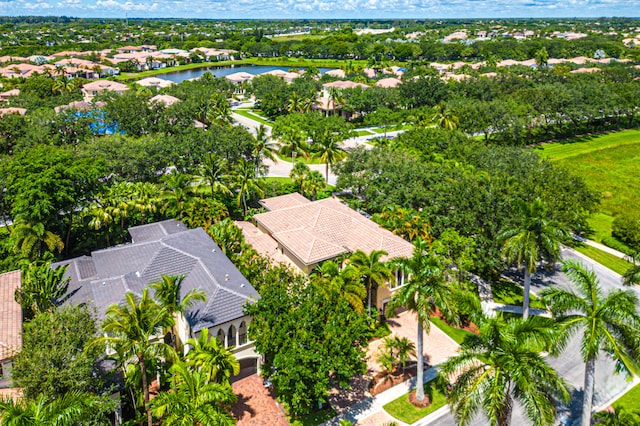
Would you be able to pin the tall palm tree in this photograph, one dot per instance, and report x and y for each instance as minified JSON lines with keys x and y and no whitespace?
{"x":534,"y":238}
{"x":133,"y":330}
{"x":298,"y":172}
{"x":425,"y":291}
{"x":345,"y":282}
{"x":504,"y":363}
{"x":314,"y":182}
{"x":68,"y":409}
{"x":168,"y":293}
{"x":373,"y":272}
{"x":247,"y":183}
{"x":194,"y":401}
{"x":213,"y":171}
{"x":32,"y":240}
{"x":264,"y":148}
{"x":609,"y":323}
{"x":210,"y":357}
{"x":330,"y":151}
{"x":293,"y":143}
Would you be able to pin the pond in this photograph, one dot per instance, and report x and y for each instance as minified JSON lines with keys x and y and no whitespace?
{"x":180,"y":76}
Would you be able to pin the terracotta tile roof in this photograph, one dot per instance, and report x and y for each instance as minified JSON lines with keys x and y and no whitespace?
{"x":323,"y":229}
{"x":284,"y":201}
{"x":10,"y":315}
{"x":347,"y":84}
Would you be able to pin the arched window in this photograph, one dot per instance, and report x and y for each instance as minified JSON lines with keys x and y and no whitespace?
{"x":242,"y":333}
{"x":220,"y":337}
{"x":231,"y":336}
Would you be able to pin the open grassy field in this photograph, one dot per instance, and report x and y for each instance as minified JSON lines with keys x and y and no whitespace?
{"x":610,"y":165}
{"x":457,"y":334}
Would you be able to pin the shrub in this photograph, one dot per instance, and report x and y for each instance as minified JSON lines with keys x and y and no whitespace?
{"x":617,"y":245}
{"x":626,"y":228}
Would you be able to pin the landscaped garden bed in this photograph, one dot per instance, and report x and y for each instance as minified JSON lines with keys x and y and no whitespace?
{"x":403,"y":410}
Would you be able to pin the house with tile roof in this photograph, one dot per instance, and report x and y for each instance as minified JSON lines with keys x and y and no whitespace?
{"x":306,"y":233}
{"x":94,"y":88}
{"x":10,"y":325}
{"x":170,"y":248}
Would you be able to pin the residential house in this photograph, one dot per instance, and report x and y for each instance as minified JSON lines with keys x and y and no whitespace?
{"x":94,"y":88}
{"x":10,"y":326}
{"x":166,"y":100}
{"x":13,"y":110}
{"x":155,"y":82}
{"x":305,"y":233}
{"x":4,"y":96}
{"x":170,"y":248}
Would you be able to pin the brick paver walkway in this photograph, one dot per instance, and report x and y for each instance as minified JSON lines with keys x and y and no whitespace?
{"x":255,"y":405}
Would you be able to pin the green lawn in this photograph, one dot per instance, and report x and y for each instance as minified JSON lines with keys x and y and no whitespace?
{"x":456,"y":334}
{"x":252,"y":115}
{"x":363,"y":132}
{"x":610,"y":261}
{"x":381,"y":130}
{"x":609,"y":164}
{"x":314,"y":419}
{"x":404,"y":411}
{"x":510,"y":293}
{"x":629,"y":401}
{"x":309,"y":160}
{"x":601,"y":224}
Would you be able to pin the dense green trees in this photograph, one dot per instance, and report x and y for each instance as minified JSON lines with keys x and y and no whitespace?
{"x":311,"y":340}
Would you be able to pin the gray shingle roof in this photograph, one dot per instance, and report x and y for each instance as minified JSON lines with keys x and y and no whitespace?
{"x":163,"y":248}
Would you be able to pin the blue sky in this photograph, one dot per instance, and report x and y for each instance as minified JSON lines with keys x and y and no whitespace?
{"x":311,"y":9}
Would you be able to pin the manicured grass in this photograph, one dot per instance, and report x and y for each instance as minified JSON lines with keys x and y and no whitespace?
{"x":252,"y":115}
{"x":510,"y":293}
{"x":364,"y":132}
{"x":629,"y":401}
{"x":381,"y":130}
{"x":456,"y":334}
{"x":314,"y":419}
{"x":404,"y":411}
{"x":298,"y":37}
{"x":305,"y":160}
{"x":609,"y":164}
{"x":601,"y":224}
{"x":610,"y":261}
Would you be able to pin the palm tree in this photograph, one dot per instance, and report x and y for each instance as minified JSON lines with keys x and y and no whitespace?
{"x":43,"y":288}
{"x":247,"y":182}
{"x":264,"y":148}
{"x":178,"y":188}
{"x":133,"y":330}
{"x":146,"y":198}
{"x":213,"y":171}
{"x":330,"y":151}
{"x":293,"y":143}
{"x":373,"y":272}
{"x":610,"y":323}
{"x":31,"y":240}
{"x":445,"y":118}
{"x":68,"y":409}
{"x":168,"y":294}
{"x":534,"y":238}
{"x":632,"y":275}
{"x":502,"y":364}
{"x":619,"y":417}
{"x":314,"y":182}
{"x":194,"y":401}
{"x":335,"y":96}
{"x":345,"y":282}
{"x":210,"y":357}
{"x":425,"y":291}
{"x":298,"y":172}
{"x":219,"y":111}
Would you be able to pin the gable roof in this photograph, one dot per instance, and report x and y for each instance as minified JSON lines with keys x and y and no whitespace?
{"x":163,"y":248}
{"x":323,"y":229}
{"x":10,"y":315}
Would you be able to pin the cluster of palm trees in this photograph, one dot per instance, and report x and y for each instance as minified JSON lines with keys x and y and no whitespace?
{"x":140,"y":336}
{"x":136,"y":333}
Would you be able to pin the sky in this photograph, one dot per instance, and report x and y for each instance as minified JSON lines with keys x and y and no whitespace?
{"x":318,"y":9}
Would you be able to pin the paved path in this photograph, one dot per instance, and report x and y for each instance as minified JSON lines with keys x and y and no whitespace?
{"x":255,"y":405}
{"x":608,"y":250}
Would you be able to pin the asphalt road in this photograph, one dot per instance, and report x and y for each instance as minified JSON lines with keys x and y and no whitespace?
{"x":569,"y":364}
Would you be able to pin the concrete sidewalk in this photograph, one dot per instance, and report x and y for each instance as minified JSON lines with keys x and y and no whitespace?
{"x":609,"y":250}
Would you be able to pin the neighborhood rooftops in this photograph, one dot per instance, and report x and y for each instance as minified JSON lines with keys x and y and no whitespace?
{"x":163,"y":248}
{"x":324,"y":229}
{"x":10,"y":315}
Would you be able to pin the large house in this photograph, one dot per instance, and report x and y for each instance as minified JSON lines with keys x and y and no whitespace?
{"x":90,"y":90}
{"x":170,"y":248}
{"x":305,"y":233}
{"x":10,"y":329}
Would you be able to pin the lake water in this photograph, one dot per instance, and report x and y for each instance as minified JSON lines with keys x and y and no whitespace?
{"x":180,"y":76}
